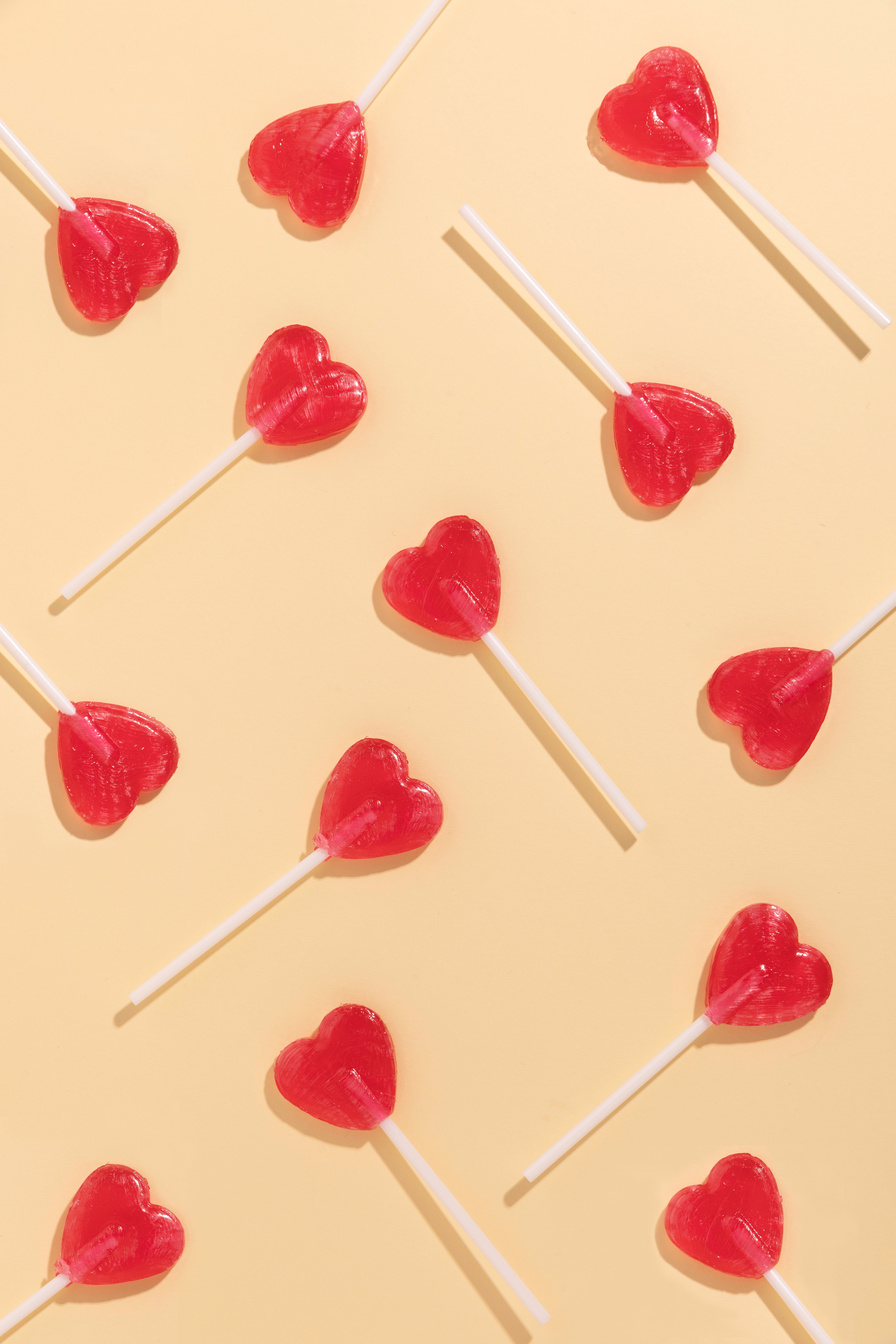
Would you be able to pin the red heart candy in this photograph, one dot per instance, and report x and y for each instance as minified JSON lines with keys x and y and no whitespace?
{"x":779,"y":697}
{"x":404,"y":813}
{"x":796,"y":978}
{"x":632,"y":117}
{"x":109,"y":251}
{"x":451,"y":584}
{"x":145,"y":757}
{"x":315,"y":158}
{"x":297,"y":394}
{"x":657,"y":473}
{"x":734,"y":1221}
{"x":344,"y":1073}
{"x":114,"y":1200}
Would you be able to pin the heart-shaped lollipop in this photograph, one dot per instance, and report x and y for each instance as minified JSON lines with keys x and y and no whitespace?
{"x":779,"y":697}
{"x":145,"y":757}
{"x":351,"y":1045}
{"x":796,"y":978}
{"x":660,"y":473}
{"x":740,"y":1189}
{"x":632,"y":118}
{"x":315,"y":158}
{"x":149,"y":1238}
{"x":104,"y":282}
{"x":421,"y":582}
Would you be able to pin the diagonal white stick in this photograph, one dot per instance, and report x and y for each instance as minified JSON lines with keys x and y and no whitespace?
{"x":245,"y":912}
{"x":32,"y":1303}
{"x":699,"y":144}
{"x":463,"y":1219}
{"x":152,"y":520}
{"x":98,"y":742}
{"x":405,"y":46}
{"x":43,"y":179}
{"x":805,"y":1317}
{"x":868,"y":622}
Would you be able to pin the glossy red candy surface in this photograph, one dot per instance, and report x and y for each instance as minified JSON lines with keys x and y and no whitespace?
{"x":372,"y":808}
{"x":297,"y":394}
{"x":779,"y":697}
{"x":315,"y":158}
{"x":660,"y":474}
{"x":451,"y":584}
{"x":734,"y":1221}
{"x":795,"y":978}
{"x":105,"y":267}
{"x":145,"y":757}
{"x":344,"y":1073}
{"x":632,"y":117}
{"x":113,"y":1209}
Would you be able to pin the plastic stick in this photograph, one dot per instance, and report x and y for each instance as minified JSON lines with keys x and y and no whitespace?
{"x":406,"y":45}
{"x":565,"y":733}
{"x":32,"y":1303}
{"x":37,"y":170}
{"x":463,"y":1219}
{"x":152,"y":520}
{"x":47,"y":688}
{"x":805,"y":1318}
{"x":615,"y":1099}
{"x":698,"y":142}
{"x":868,"y":622}
{"x":308,"y":864}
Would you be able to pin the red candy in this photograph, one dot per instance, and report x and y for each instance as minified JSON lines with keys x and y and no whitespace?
{"x":796,"y":978}
{"x":779,"y":697}
{"x":451,"y":584}
{"x":297,"y":394}
{"x":112,"y":1208}
{"x":662,"y":473}
{"x":734,"y":1221}
{"x":632,"y":119}
{"x":315,"y":158}
{"x":109,"y":251}
{"x":344,"y":1073}
{"x":404,"y":813}
{"x":105,"y":791}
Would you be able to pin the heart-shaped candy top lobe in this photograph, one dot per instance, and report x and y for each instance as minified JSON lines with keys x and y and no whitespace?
{"x":734,"y":1221}
{"x":109,"y":251}
{"x":315,"y":158}
{"x":451,"y":584}
{"x":111,"y":1217}
{"x":703,"y":437}
{"x":103,"y":790}
{"x":372,"y":808}
{"x":297,"y":394}
{"x":344,"y":1073}
{"x":779,"y":697}
{"x":795,"y":978}
{"x":633,"y":118}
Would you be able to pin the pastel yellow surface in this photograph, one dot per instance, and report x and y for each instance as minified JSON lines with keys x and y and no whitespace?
{"x":532,"y":957}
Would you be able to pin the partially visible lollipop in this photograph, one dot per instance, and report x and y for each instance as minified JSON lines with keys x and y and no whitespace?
{"x":780,"y":696}
{"x":760,"y":974}
{"x":734,"y":1222}
{"x":108,"y":754}
{"x":345,"y":1075}
{"x":370,"y":810}
{"x":667,"y":116}
{"x":452,"y":586}
{"x":112,"y":1234}
{"x":295,"y":394}
{"x":109,"y":251}
{"x":665,"y":436}
{"x":315,"y":157}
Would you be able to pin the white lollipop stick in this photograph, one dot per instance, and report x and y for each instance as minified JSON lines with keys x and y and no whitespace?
{"x":463,"y":1219}
{"x":868,"y":622}
{"x":649,"y":417}
{"x":32,"y":1303}
{"x":152,"y":520}
{"x":700,"y":145}
{"x":406,"y":45}
{"x":805,"y":1317}
{"x":47,"y":184}
{"x":100,"y":744}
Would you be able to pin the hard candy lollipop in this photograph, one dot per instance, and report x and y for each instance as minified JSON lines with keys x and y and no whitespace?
{"x":112,"y":1234}
{"x":345,"y":1075}
{"x":315,"y":157}
{"x":108,"y":754}
{"x":665,"y":436}
{"x":109,"y":251}
{"x":734,"y":1222}
{"x":760,"y":974}
{"x":295,"y":394}
{"x":780,"y":697}
{"x":370,"y":810}
{"x":667,"y":116}
{"x":452,"y":586}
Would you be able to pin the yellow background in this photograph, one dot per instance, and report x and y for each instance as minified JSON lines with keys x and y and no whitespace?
{"x":533,"y":956}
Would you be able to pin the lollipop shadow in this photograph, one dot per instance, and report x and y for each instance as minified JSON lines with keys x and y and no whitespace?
{"x":732,"y":736}
{"x":415,"y":634}
{"x":288,"y":218}
{"x":629,"y":504}
{"x":694,"y":1269}
{"x":640,"y":172}
{"x":77,"y":1293}
{"x":267,"y":452}
{"x":60,"y":799}
{"x":306,"y":1124}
